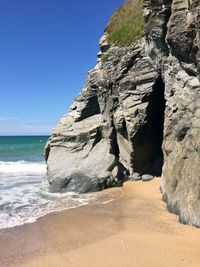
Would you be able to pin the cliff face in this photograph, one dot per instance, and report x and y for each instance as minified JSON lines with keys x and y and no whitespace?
{"x":138,"y":116}
{"x":172,"y":33}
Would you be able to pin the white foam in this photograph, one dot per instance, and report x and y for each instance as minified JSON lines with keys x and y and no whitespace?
{"x":25,"y":196}
{"x":22,"y":167}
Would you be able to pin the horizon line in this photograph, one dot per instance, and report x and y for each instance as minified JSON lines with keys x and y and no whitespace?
{"x":5,"y":135}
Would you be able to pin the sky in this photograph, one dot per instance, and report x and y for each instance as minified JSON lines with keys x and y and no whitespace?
{"x":46,"y":49}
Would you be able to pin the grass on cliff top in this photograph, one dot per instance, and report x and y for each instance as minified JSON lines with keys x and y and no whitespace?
{"x":126,"y":25}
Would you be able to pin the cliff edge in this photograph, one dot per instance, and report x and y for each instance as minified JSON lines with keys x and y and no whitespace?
{"x":138,"y":115}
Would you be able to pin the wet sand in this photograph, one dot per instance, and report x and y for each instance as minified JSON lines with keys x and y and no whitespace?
{"x":135,"y":230}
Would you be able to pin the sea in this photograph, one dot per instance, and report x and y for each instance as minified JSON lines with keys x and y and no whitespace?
{"x":24,"y":190}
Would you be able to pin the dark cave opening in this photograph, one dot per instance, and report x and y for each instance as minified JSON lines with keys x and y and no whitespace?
{"x":147,"y":157}
{"x":114,"y":143}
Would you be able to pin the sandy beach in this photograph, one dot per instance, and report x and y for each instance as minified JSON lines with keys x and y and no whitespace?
{"x":134,"y":230}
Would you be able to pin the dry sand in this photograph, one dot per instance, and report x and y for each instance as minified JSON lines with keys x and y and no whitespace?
{"x":135,"y":230}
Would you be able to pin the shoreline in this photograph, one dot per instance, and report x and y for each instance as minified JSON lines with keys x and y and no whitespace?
{"x":96,"y":198}
{"x":133,"y":230}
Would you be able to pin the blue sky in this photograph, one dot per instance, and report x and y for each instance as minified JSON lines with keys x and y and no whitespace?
{"x":46,"y":49}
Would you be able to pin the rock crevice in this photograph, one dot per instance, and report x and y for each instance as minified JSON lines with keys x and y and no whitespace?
{"x":138,"y":115}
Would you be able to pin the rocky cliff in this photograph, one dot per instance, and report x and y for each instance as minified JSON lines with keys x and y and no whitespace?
{"x":138,"y":115}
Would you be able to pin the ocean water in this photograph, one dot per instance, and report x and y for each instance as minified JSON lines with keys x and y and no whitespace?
{"x":24,"y":190}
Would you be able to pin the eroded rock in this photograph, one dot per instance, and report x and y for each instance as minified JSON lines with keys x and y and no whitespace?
{"x":180,"y":181}
{"x":111,"y":130}
{"x":139,"y":109}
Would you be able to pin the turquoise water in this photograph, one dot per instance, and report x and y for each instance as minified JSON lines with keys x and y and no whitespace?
{"x":28,"y":148}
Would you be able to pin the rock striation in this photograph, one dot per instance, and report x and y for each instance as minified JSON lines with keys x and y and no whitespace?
{"x":138,"y":115}
{"x":173,"y":43}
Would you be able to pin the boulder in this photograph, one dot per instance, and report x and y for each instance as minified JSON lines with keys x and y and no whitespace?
{"x":147,"y":177}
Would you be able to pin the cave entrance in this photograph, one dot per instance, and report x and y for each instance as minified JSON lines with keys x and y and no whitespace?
{"x":147,"y":157}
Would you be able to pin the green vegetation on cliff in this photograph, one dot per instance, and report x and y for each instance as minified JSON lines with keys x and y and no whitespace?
{"x":126,"y":24}
{"x":105,"y":58}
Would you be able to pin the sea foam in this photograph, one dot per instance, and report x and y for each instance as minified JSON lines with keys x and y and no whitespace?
{"x":22,"y":167}
{"x":25,"y":196}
